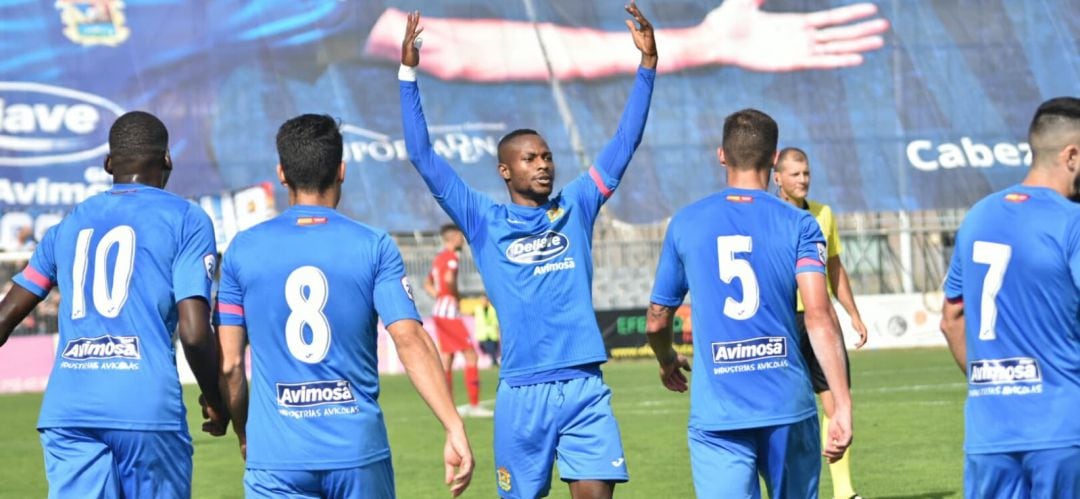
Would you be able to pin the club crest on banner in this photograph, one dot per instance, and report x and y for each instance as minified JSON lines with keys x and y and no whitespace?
{"x":94,"y":22}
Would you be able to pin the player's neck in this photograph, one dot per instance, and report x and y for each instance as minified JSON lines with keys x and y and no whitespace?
{"x":145,"y":178}
{"x":527,"y":200}
{"x":796,"y":202}
{"x":327,"y":199}
{"x":1047,"y":177}
{"x":747,"y":179}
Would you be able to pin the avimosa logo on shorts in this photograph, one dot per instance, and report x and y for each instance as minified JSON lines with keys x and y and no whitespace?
{"x":314,"y":393}
{"x":538,"y":248}
{"x":749,"y":350}
{"x":44,"y":124}
{"x":103,"y":347}
{"x":999,"y":371}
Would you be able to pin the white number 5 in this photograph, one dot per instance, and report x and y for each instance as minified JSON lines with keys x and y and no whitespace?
{"x":731,"y":268}
{"x":997,"y":256}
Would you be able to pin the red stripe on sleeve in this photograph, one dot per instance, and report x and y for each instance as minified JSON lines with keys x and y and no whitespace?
{"x":814,"y":262}
{"x":595,"y":174}
{"x":32,"y":275}
{"x":226,"y":308}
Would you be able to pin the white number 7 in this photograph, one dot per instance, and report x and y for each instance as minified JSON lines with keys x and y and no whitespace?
{"x":997,"y":256}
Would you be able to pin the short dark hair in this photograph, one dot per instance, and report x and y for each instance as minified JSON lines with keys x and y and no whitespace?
{"x":310,"y":150}
{"x":1061,"y":114}
{"x":137,"y":138}
{"x":446,"y":228}
{"x":750,"y":138}
{"x":513,"y":135}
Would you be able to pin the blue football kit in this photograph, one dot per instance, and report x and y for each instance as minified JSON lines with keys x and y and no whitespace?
{"x":1016,"y":269}
{"x":113,"y":421}
{"x":310,"y":286}
{"x":536,"y":264}
{"x":752,"y":409}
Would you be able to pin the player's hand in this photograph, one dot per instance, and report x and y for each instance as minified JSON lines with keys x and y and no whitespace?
{"x":857,"y":324}
{"x":741,"y":34}
{"x":217,"y":419}
{"x":839,"y":435}
{"x":242,"y":438}
{"x":410,"y":48}
{"x":671,"y":373}
{"x":459,"y":461}
{"x":643,"y":36}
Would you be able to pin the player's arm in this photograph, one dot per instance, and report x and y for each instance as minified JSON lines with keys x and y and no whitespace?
{"x":429,"y":284}
{"x":659,"y":331}
{"x":16,"y":305}
{"x":201,"y":352}
{"x":952,"y":326}
{"x":828,"y":346}
{"x":234,"y":385}
{"x":841,"y":287}
{"x":31,"y":286}
{"x":421,"y":360}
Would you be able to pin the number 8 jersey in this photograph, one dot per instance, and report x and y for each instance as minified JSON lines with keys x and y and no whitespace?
{"x":122,"y":260}
{"x":310,"y":286}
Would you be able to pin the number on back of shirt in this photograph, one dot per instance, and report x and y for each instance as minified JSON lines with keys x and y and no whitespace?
{"x":997,"y":256}
{"x":109,"y":293}
{"x":732,"y":267}
{"x":306,"y":291}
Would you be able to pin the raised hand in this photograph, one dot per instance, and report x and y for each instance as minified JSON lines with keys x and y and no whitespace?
{"x":410,"y":46}
{"x":643,"y":36}
{"x":743,"y":35}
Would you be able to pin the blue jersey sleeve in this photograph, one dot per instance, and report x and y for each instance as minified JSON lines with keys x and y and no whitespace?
{"x":954,"y":283}
{"x":464,"y":205}
{"x":393,"y":295}
{"x":230,"y":299}
{"x":193,"y":269}
{"x":604,"y":176}
{"x":40,"y":274}
{"x":812,"y":252}
{"x":1074,"y":251}
{"x":671,"y":284}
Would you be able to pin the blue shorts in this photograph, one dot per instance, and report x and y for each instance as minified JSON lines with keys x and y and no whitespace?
{"x":89,"y":462}
{"x":373,"y":480}
{"x":1049,"y":473}
{"x":570,"y":421}
{"x":727,"y":463}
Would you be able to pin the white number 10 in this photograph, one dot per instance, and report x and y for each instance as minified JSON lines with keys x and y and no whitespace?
{"x":731,"y":268}
{"x":108,"y":300}
{"x":997,"y":256}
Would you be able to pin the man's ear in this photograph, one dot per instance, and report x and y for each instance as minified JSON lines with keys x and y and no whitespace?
{"x":168,"y":161}
{"x":341,"y":172}
{"x":108,"y":164}
{"x":720,"y":156}
{"x":504,"y":171}
{"x":281,"y":175}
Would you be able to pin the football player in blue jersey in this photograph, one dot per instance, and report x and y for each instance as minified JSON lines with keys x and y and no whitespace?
{"x":1012,"y":302}
{"x":742,"y":253}
{"x":134,"y":265}
{"x":307,"y":289}
{"x":534,"y":257}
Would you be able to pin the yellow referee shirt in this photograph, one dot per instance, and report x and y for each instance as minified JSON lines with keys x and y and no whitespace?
{"x":823,"y":214}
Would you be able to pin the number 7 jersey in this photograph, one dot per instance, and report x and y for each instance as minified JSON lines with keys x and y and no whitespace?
{"x":310,"y":286}
{"x":122,"y":260}
{"x":1016,"y":268}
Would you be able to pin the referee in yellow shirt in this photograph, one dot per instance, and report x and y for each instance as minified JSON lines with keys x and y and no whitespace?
{"x":793,"y":179}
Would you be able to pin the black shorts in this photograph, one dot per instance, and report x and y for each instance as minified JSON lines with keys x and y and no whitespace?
{"x":817,"y":376}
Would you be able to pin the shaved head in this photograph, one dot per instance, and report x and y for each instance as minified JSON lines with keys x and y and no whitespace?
{"x":1056,"y":125}
{"x":509,"y":139}
{"x":791,"y":154}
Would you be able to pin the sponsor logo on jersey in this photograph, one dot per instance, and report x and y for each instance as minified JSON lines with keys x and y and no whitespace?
{"x":94,"y":22}
{"x":314,"y":393}
{"x":1000,"y":371}
{"x":504,"y":478}
{"x":210,"y":262}
{"x":103,"y":347}
{"x":749,"y":350}
{"x":304,"y":221}
{"x":537,"y":248}
{"x":1016,"y":197}
{"x":739,"y":198}
{"x":41,"y":125}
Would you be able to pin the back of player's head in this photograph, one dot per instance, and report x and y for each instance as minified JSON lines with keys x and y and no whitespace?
{"x":136,"y":140}
{"x":510,"y":137}
{"x":791,"y":154}
{"x":1056,"y":125}
{"x":750,"y":140}
{"x":310,"y":151}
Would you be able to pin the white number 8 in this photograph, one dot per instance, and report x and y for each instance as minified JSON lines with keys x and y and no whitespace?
{"x":307,"y":310}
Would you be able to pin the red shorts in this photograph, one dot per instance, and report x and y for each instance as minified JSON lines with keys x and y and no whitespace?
{"x":452,"y":334}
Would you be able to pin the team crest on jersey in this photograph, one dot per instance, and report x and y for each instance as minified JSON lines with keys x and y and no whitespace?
{"x":537,"y":248}
{"x":822,"y":252}
{"x":1004,"y":371}
{"x":103,"y":347}
{"x":210,"y":262}
{"x":1016,"y":197}
{"x":738,"y":198}
{"x":749,"y":350}
{"x":555,"y":212}
{"x":314,"y":393}
{"x":504,"y":478}
{"x":305,"y":221}
{"x":407,"y":287}
{"x":94,"y":22}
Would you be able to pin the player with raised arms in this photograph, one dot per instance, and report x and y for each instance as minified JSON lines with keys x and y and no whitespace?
{"x":742,"y":254}
{"x":1012,"y":320}
{"x":534,"y":257}
{"x":134,"y":265}
{"x":307,"y":289}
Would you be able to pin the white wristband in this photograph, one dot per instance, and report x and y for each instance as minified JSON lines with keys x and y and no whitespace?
{"x":406,"y":73}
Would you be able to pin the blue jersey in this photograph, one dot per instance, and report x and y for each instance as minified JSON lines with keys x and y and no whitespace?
{"x":310,"y":286}
{"x":737,"y":252}
{"x":122,"y":259}
{"x":1016,"y":267}
{"x":536,"y":263}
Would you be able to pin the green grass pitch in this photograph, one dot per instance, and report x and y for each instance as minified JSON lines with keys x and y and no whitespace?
{"x":908,"y":435}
